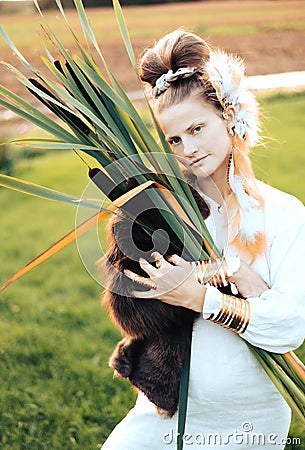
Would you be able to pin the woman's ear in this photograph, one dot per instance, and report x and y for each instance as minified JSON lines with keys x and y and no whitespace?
{"x":229,"y":115}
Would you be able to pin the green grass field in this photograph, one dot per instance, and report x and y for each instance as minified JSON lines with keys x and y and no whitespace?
{"x":280,"y":161}
{"x":56,"y":390}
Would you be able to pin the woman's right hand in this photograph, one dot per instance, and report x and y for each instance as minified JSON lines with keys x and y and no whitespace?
{"x":174,"y":282}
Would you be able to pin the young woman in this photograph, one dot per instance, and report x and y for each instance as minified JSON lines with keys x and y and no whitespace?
{"x":211,"y":120}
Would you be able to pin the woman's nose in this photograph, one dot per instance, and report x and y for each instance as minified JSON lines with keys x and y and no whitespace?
{"x":189,"y":147}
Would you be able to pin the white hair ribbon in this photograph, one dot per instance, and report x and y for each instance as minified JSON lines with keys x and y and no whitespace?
{"x":166,"y":79}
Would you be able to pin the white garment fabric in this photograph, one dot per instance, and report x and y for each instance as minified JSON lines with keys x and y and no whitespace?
{"x":232,"y":403}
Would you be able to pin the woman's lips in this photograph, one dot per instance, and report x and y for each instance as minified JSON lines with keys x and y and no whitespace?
{"x":197,"y":160}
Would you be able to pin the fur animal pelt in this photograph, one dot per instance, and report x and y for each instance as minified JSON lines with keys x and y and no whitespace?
{"x":152,"y":353}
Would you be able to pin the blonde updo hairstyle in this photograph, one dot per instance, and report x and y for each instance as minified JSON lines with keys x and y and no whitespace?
{"x":180,"y":49}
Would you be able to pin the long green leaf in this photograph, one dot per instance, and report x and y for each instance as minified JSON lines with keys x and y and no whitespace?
{"x":136,"y":128}
{"x":289,"y":369}
{"x":17,"y":52}
{"x":45,"y":144}
{"x":32,"y":114}
{"x":124,"y":33}
{"x":118,"y":119}
{"x":38,"y":7}
{"x":61,"y":9}
{"x":87,"y":28}
{"x":120,"y":98}
{"x":99,"y":108}
{"x":259,"y":355}
{"x":183,"y":395}
{"x":36,"y":190}
{"x":109,"y":137}
{"x":285,"y":379}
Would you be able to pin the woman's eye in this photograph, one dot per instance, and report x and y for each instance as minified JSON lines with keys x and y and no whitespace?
{"x":174,"y":141}
{"x":197,"y":129}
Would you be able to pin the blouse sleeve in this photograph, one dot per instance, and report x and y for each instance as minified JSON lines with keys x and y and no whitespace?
{"x":277,"y":316}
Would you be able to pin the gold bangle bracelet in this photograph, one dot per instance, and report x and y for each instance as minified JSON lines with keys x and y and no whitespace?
{"x":241,"y":321}
{"x":234,"y":314}
{"x":220,"y":312}
{"x":224,"y":316}
{"x":231,"y":317}
{"x":247,"y":319}
{"x":230,"y":324}
{"x":238,"y":315}
{"x":214,"y":272}
{"x":226,"y":302}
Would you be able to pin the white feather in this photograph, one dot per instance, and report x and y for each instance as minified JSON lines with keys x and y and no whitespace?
{"x":245,"y":201}
{"x":251,"y":223}
{"x":226,"y":73}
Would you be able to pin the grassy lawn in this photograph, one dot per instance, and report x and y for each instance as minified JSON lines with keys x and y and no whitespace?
{"x":56,"y":390}
{"x":280,"y":161}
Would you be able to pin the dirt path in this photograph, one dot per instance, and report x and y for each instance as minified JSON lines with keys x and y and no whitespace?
{"x":266,"y":52}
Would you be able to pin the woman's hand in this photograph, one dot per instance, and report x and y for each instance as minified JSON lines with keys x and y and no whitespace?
{"x":173,"y":282}
{"x":248,"y":282}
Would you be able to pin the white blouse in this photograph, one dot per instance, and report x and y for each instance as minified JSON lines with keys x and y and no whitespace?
{"x":232,"y":403}
{"x":277,"y":321}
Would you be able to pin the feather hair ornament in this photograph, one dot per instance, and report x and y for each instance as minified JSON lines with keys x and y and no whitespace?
{"x":251,"y":237}
{"x":226,"y":74}
{"x":250,"y":214}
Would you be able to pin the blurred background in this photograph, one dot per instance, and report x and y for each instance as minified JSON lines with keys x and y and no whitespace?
{"x":56,"y":390}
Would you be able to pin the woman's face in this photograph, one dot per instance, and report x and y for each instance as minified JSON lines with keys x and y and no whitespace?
{"x":198,"y":135}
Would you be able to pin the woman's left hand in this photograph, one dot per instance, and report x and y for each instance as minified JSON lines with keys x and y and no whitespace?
{"x":173,"y":282}
{"x":248,"y":282}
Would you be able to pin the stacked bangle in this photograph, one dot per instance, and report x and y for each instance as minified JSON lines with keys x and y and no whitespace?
{"x":234,"y":314}
{"x":215,"y":272}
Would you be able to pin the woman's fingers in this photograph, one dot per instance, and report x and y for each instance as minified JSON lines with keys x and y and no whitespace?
{"x":173,"y":259}
{"x":145,"y":294}
{"x":163,"y":279}
{"x":148,"y":268}
{"x":147,"y":282}
{"x":248,"y":282}
{"x":129,"y":273}
{"x":161,"y":263}
{"x":177,"y":261}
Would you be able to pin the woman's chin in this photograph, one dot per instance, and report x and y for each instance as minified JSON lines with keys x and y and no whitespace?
{"x":201,"y":170}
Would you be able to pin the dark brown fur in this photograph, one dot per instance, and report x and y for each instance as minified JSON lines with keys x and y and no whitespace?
{"x":156,"y":334}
